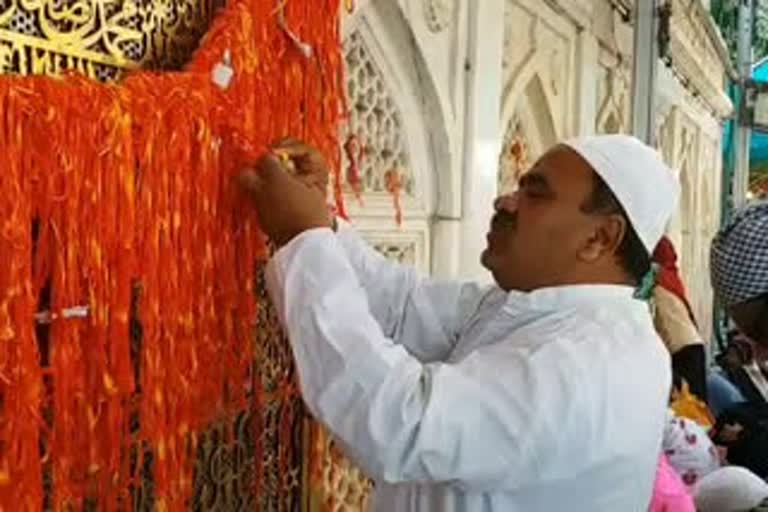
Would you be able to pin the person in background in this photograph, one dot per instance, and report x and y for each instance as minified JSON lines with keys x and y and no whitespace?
{"x":739,"y":268}
{"x":739,"y":271}
{"x":676,"y":323}
{"x":742,"y":428}
{"x":519,"y":397}
{"x":741,"y":365}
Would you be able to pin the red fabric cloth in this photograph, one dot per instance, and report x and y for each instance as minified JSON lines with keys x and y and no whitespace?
{"x":668,"y":276}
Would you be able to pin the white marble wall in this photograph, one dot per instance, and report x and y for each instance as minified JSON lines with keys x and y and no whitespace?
{"x":450,"y":91}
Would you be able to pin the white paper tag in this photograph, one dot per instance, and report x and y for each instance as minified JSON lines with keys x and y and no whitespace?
{"x":222,"y":75}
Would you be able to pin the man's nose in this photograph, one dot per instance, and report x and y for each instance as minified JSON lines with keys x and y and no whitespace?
{"x":506,"y":202}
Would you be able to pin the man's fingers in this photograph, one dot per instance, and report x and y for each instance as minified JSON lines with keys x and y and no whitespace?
{"x":250,"y":181}
{"x":276,"y":177}
{"x":306,"y":158}
{"x":288,"y":142}
{"x":315,"y":181}
{"x":294,"y":148}
{"x":268,"y":169}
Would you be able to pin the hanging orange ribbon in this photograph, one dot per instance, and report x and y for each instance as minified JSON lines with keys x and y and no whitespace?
{"x":123,"y":197}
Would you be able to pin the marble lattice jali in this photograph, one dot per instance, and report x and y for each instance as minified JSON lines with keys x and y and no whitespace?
{"x":175,"y":391}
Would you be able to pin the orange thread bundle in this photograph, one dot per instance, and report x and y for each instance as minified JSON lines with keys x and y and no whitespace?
{"x":120,"y":188}
{"x":20,"y":375}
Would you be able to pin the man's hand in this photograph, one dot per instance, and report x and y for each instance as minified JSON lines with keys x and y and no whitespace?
{"x":287,"y":205}
{"x":310,"y":165}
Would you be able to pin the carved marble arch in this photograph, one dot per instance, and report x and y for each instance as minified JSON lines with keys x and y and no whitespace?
{"x":665,"y":135}
{"x":687,"y":162}
{"x":665,"y":142}
{"x":612,"y":111}
{"x":394,"y":112}
{"x":707,"y":223}
{"x":707,"y":219}
{"x":711,"y":166}
{"x":528,"y":133}
{"x":611,"y":124}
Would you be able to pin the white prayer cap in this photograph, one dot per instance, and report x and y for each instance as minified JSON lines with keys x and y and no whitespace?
{"x":730,"y":489}
{"x":644,"y":185}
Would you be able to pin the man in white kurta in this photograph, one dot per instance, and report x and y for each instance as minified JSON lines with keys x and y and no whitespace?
{"x":520,"y":397}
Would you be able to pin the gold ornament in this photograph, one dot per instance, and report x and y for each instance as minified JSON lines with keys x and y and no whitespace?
{"x":100,"y":38}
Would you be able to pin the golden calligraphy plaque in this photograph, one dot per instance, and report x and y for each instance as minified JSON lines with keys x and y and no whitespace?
{"x":100,"y":38}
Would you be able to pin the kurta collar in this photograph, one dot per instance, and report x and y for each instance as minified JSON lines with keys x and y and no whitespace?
{"x":567,"y":297}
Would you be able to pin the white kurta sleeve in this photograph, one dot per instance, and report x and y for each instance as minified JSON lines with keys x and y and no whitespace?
{"x":422,"y":314}
{"x":401,"y":420}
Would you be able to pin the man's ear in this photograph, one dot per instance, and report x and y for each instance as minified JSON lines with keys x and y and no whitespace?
{"x":606,"y":236}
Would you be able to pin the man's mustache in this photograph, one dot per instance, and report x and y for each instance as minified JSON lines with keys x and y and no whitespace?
{"x":504,"y":220}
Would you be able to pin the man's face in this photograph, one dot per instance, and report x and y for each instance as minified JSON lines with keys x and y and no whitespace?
{"x":752,"y":319}
{"x":538,"y":233}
